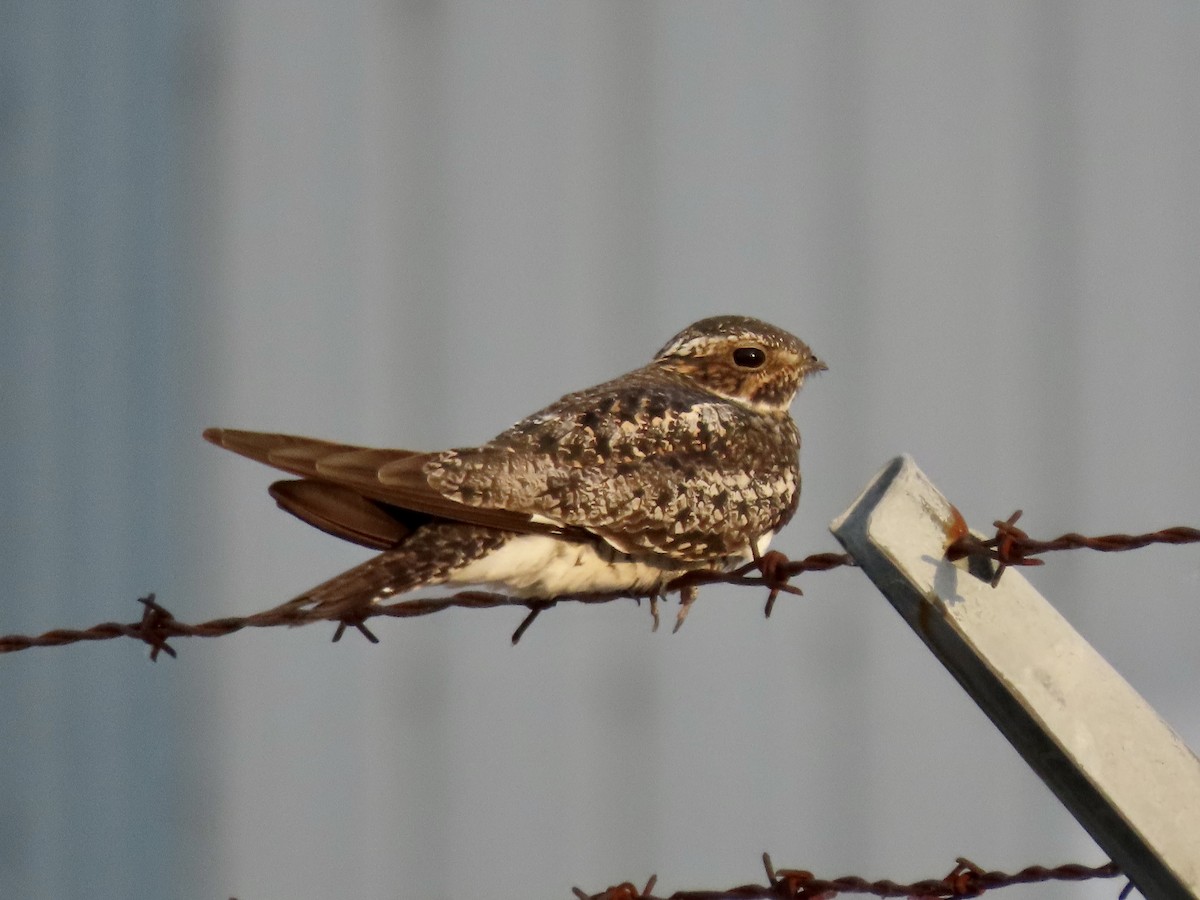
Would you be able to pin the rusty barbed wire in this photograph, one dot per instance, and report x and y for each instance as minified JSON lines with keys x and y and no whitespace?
{"x":965,"y":880}
{"x":158,"y":626}
{"x":1010,"y":547}
{"x":1013,"y":547}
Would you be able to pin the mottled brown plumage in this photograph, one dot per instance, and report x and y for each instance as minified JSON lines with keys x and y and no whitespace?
{"x":689,"y":462}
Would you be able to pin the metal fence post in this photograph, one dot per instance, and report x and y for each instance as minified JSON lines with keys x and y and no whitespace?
{"x":1120,"y":770}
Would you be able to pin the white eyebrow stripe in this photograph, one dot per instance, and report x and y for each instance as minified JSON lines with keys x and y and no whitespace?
{"x":688,"y":346}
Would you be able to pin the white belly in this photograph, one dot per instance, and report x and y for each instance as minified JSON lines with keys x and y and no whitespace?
{"x":537,"y":565}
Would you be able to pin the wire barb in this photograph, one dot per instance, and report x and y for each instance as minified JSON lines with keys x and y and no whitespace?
{"x":152,"y":628}
{"x":358,"y":625}
{"x":536,"y":608}
{"x":1014,"y":547}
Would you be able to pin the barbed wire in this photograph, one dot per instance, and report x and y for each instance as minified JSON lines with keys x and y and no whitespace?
{"x":157,"y":625}
{"x":1013,"y":547}
{"x":965,"y":880}
{"x":1010,"y":547}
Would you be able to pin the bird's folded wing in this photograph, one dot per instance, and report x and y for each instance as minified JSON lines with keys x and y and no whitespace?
{"x":357,"y":468}
{"x":685,"y":501}
{"x":345,"y":513}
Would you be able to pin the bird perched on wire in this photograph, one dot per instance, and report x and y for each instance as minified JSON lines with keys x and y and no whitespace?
{"x":690,"y":462}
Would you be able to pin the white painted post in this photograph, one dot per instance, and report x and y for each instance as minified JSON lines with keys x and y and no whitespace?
{"x":1120,"y":770}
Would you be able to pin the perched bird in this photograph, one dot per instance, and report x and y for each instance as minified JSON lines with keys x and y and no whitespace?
{"x":690,"y":462}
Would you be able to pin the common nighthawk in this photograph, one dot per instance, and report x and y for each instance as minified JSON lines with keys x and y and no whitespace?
{"x":690,"y":462}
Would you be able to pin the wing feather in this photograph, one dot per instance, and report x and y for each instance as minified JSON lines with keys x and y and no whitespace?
{"x":357,"y":468}
{"x":345,"y":513}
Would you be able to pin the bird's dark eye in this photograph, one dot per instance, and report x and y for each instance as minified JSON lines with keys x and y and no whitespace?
{"x":749,"y":357}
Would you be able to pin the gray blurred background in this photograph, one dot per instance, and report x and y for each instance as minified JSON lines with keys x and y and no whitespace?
{"x":411,"y":223}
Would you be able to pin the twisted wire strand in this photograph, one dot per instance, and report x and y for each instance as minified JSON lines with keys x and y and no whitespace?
{"x":965,"y":880}
{"x":1010,"y":547}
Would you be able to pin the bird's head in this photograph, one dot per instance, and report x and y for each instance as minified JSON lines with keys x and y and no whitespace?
{"x":741,"y":359}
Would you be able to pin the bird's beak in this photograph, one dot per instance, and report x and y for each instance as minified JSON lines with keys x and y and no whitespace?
{"x":812,"y":364}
